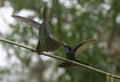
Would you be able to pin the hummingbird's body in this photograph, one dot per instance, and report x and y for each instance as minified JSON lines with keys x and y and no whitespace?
{"x":46,"y":42}
{"x":71,"y":52}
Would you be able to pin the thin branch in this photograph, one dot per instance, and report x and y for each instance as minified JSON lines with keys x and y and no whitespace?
{"x":63,"y":59}
{"x":17,"y":44}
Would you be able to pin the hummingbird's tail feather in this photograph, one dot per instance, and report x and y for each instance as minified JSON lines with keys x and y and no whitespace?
{"x":50,"y":44}
{"x":68,"y":64}
{"x":39,"y":48}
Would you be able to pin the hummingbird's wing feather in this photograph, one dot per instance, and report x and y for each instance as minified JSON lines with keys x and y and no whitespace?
{"x":27,"y":21}
{"x":67,"y":64}
{"x":83,"y":46}
{"x":50,"y":44}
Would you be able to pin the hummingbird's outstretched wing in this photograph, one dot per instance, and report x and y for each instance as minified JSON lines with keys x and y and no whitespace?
{"x":27,"y":21}
{"x":67,"y":64}
{"x":49,"y":45}
{"x":83,"y":46}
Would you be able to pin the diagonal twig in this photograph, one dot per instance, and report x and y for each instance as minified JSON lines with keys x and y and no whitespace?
{"x":63,"y":59}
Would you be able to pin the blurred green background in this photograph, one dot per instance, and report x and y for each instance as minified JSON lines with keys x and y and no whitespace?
{"x":74,"y":21}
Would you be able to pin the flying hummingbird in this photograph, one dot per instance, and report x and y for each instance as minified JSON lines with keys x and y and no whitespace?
{"x":46,"y":42}
{"x":72,"y":52}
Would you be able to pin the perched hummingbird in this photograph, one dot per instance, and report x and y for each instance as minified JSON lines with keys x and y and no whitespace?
{"x":46,"y":42}
{"x":72,"y":52}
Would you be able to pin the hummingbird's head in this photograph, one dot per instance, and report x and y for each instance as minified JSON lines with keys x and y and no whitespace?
{"x":67,"y":48}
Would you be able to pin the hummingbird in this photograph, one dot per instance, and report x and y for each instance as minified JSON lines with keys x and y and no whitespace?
{"x":46,"y":41}
{"x":72,"y":52}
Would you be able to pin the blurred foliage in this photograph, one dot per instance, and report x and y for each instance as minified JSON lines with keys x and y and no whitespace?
{"x":75,"y":21}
